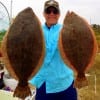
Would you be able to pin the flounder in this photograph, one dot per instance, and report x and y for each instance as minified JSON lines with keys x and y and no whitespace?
{"x":23,"y":50}
{"x":78,"y":47}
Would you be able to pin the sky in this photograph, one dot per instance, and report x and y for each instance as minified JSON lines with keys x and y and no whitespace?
{"x":88,"y":9}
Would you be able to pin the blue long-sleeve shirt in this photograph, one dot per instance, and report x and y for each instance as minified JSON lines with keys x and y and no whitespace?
{"x":53,"y":71}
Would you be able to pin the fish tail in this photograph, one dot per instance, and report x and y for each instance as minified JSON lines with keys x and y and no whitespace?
{"x":80,"y":81}
{"x":22,"y":91}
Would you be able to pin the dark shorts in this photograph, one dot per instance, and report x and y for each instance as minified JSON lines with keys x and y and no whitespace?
{"x":68,"y":94}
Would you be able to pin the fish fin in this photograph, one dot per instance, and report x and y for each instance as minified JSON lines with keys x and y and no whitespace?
{"x":80,"y":81}
{"x":22,"y":91}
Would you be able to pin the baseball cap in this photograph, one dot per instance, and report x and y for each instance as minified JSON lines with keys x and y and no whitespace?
{"x":51,"y":3}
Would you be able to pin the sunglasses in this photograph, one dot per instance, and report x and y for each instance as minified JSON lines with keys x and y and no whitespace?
{"x":51,"y":11}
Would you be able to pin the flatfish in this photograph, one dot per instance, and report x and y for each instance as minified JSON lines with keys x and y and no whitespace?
{"x":77,"y":45}
{"x":23,"y":50}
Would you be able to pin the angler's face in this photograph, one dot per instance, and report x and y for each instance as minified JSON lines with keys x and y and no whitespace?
{"x":51,"y":15}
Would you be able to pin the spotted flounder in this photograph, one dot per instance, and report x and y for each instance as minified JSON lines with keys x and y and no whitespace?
{"x":78,"y":47}
{"x":23,"y":50}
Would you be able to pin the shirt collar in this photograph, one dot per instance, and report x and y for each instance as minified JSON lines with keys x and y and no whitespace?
{"x":50,"y":26}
